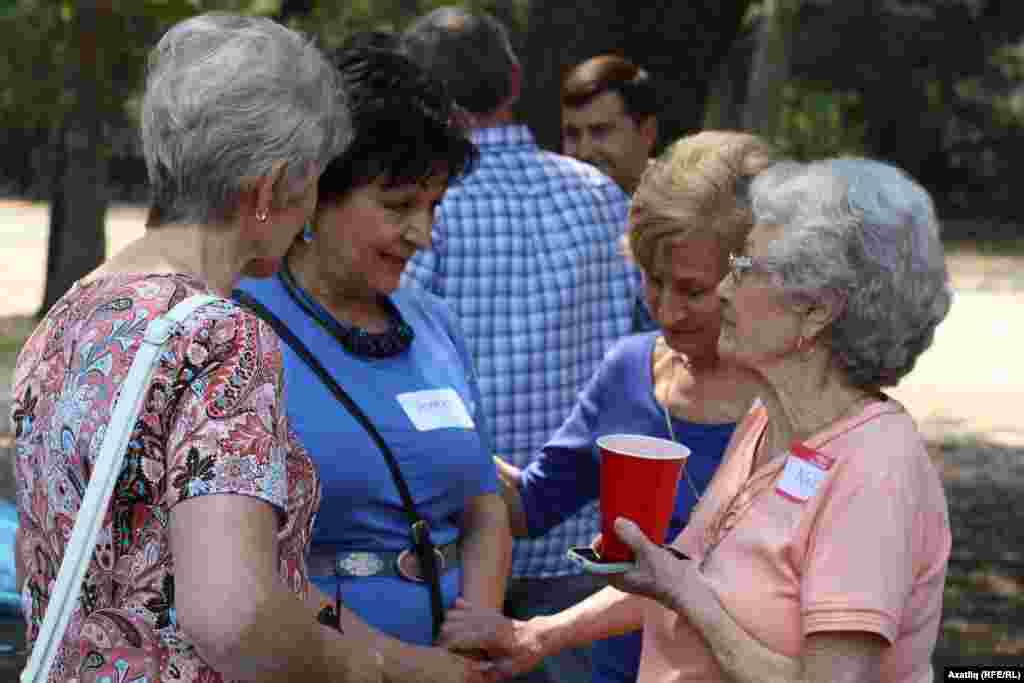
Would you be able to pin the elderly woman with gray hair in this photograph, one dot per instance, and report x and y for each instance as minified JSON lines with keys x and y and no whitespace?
{"x":819,"y":551}
{"x":199,"y":573}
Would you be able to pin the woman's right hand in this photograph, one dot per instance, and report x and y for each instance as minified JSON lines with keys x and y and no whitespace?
{"x":513,"y":646}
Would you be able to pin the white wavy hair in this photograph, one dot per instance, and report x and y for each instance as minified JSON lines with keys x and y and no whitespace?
{"x":863,"y":235}
{"x":227,"y":97}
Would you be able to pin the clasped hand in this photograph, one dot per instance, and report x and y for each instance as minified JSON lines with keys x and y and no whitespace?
{"x":512,"y":646}
{"x":515,"y":647}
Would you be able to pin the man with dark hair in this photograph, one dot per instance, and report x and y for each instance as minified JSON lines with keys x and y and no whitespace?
{"x":472,"y":54}
{"x":526,"y":250}
{"x":610,"y":117}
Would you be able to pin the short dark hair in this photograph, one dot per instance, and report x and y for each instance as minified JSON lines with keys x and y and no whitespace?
{"x":611,"y":73}
{"x":403,"y":124}
{"x":471,"y":53}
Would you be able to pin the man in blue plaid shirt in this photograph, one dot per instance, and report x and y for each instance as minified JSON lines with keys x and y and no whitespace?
{"x":526,"y":250}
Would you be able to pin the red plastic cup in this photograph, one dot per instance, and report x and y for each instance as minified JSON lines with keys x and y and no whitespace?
{"x":639,"y":479}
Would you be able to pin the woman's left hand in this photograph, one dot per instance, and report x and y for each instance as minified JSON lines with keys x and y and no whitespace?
{"x":659,"y":574}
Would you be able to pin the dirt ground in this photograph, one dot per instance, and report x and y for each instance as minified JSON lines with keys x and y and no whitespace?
{"x":966,"y":393}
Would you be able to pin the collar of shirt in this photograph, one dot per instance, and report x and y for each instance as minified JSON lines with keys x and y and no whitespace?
{"x":505,"y":136}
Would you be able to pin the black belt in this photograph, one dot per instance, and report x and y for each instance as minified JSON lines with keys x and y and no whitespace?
{"x":361,"y":563}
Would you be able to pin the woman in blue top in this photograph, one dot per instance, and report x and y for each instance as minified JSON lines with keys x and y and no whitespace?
{"x":399,"y":354}
{"x":688,"y":214}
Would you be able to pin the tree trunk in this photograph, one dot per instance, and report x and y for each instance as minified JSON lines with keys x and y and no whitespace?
{"x":728,"y":95}
{"x":77,"y":240}
{"x":680,"y":43}
{"x":770,"y":69}
{"x":546,"y":51}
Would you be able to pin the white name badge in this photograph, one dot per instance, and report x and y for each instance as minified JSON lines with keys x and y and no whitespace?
{"x":435,"y":409}
{"x":805,"y":470}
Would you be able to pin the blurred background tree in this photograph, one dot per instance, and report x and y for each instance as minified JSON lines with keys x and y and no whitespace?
{"x":932,"y":85}
{"x":935,"y":85}
{"x":69,"y":81}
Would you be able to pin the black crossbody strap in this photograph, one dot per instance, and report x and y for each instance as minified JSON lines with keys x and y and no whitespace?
{"x":418,"y":527}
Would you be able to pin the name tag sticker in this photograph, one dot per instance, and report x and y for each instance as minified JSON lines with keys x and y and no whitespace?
{"x":435,"y":409}
{"x":805,"y":469}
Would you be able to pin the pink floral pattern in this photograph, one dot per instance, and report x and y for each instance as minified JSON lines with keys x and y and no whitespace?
{"x":212,"y":422}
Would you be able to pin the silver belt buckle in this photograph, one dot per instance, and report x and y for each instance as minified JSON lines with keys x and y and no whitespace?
{"x":360,"y":564}
{"x":408,"y":565}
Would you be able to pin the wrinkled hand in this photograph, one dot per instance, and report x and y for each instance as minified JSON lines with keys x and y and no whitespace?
{"x":468,"y":628}
{"x":512,"y":645}
{"x":659,"y":574}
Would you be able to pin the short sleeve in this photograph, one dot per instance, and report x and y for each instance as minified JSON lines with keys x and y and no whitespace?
{"x":859,"y":564}
{"x":487,"y":481}
{"x":228,"y":433}
{"x":458,"y":339}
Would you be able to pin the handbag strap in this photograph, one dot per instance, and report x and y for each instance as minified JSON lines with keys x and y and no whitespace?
{"x":418,"y":527}
{"x":106,"y":470}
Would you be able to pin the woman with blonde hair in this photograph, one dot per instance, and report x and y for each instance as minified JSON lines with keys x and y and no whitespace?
{"x":689,"y":212}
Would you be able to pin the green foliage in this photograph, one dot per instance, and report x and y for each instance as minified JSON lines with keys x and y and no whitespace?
{"x":1001,"y":86}
{"x":39,"y":59}
{"x":32,"y":58}
{"x":876,"y":78}
{"x":817,"y":122}
{"x":41,"y":65}
{"x":939,"y":87}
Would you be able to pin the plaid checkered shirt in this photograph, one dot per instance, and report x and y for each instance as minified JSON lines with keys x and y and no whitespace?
{"x":526,"y":250}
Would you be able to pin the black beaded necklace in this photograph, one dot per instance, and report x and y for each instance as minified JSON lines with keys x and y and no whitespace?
{"x":357,"y":341}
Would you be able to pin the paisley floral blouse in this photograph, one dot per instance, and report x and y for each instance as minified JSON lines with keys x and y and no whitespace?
{"x":212,"y":423}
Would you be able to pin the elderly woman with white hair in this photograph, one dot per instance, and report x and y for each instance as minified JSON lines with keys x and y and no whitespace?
{"x":199,"y":573}
{"x":819,"y":551}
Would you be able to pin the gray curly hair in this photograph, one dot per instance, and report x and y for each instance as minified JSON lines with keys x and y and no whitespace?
{"x":863,"y":235}
{"x":226,"y":98}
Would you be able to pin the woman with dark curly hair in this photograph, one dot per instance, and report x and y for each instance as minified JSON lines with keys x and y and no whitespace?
{"x":399,"y":353}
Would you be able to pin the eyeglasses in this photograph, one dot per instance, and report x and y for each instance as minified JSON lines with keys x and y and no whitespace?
{"x":740,"y":265}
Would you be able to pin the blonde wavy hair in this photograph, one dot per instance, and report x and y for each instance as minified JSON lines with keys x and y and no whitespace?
{"x":698,"y":185}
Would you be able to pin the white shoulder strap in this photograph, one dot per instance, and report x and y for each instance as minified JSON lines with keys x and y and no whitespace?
{"x":101,"y":485}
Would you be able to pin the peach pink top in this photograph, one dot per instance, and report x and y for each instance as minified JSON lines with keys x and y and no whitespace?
{"x":867,"y":551}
